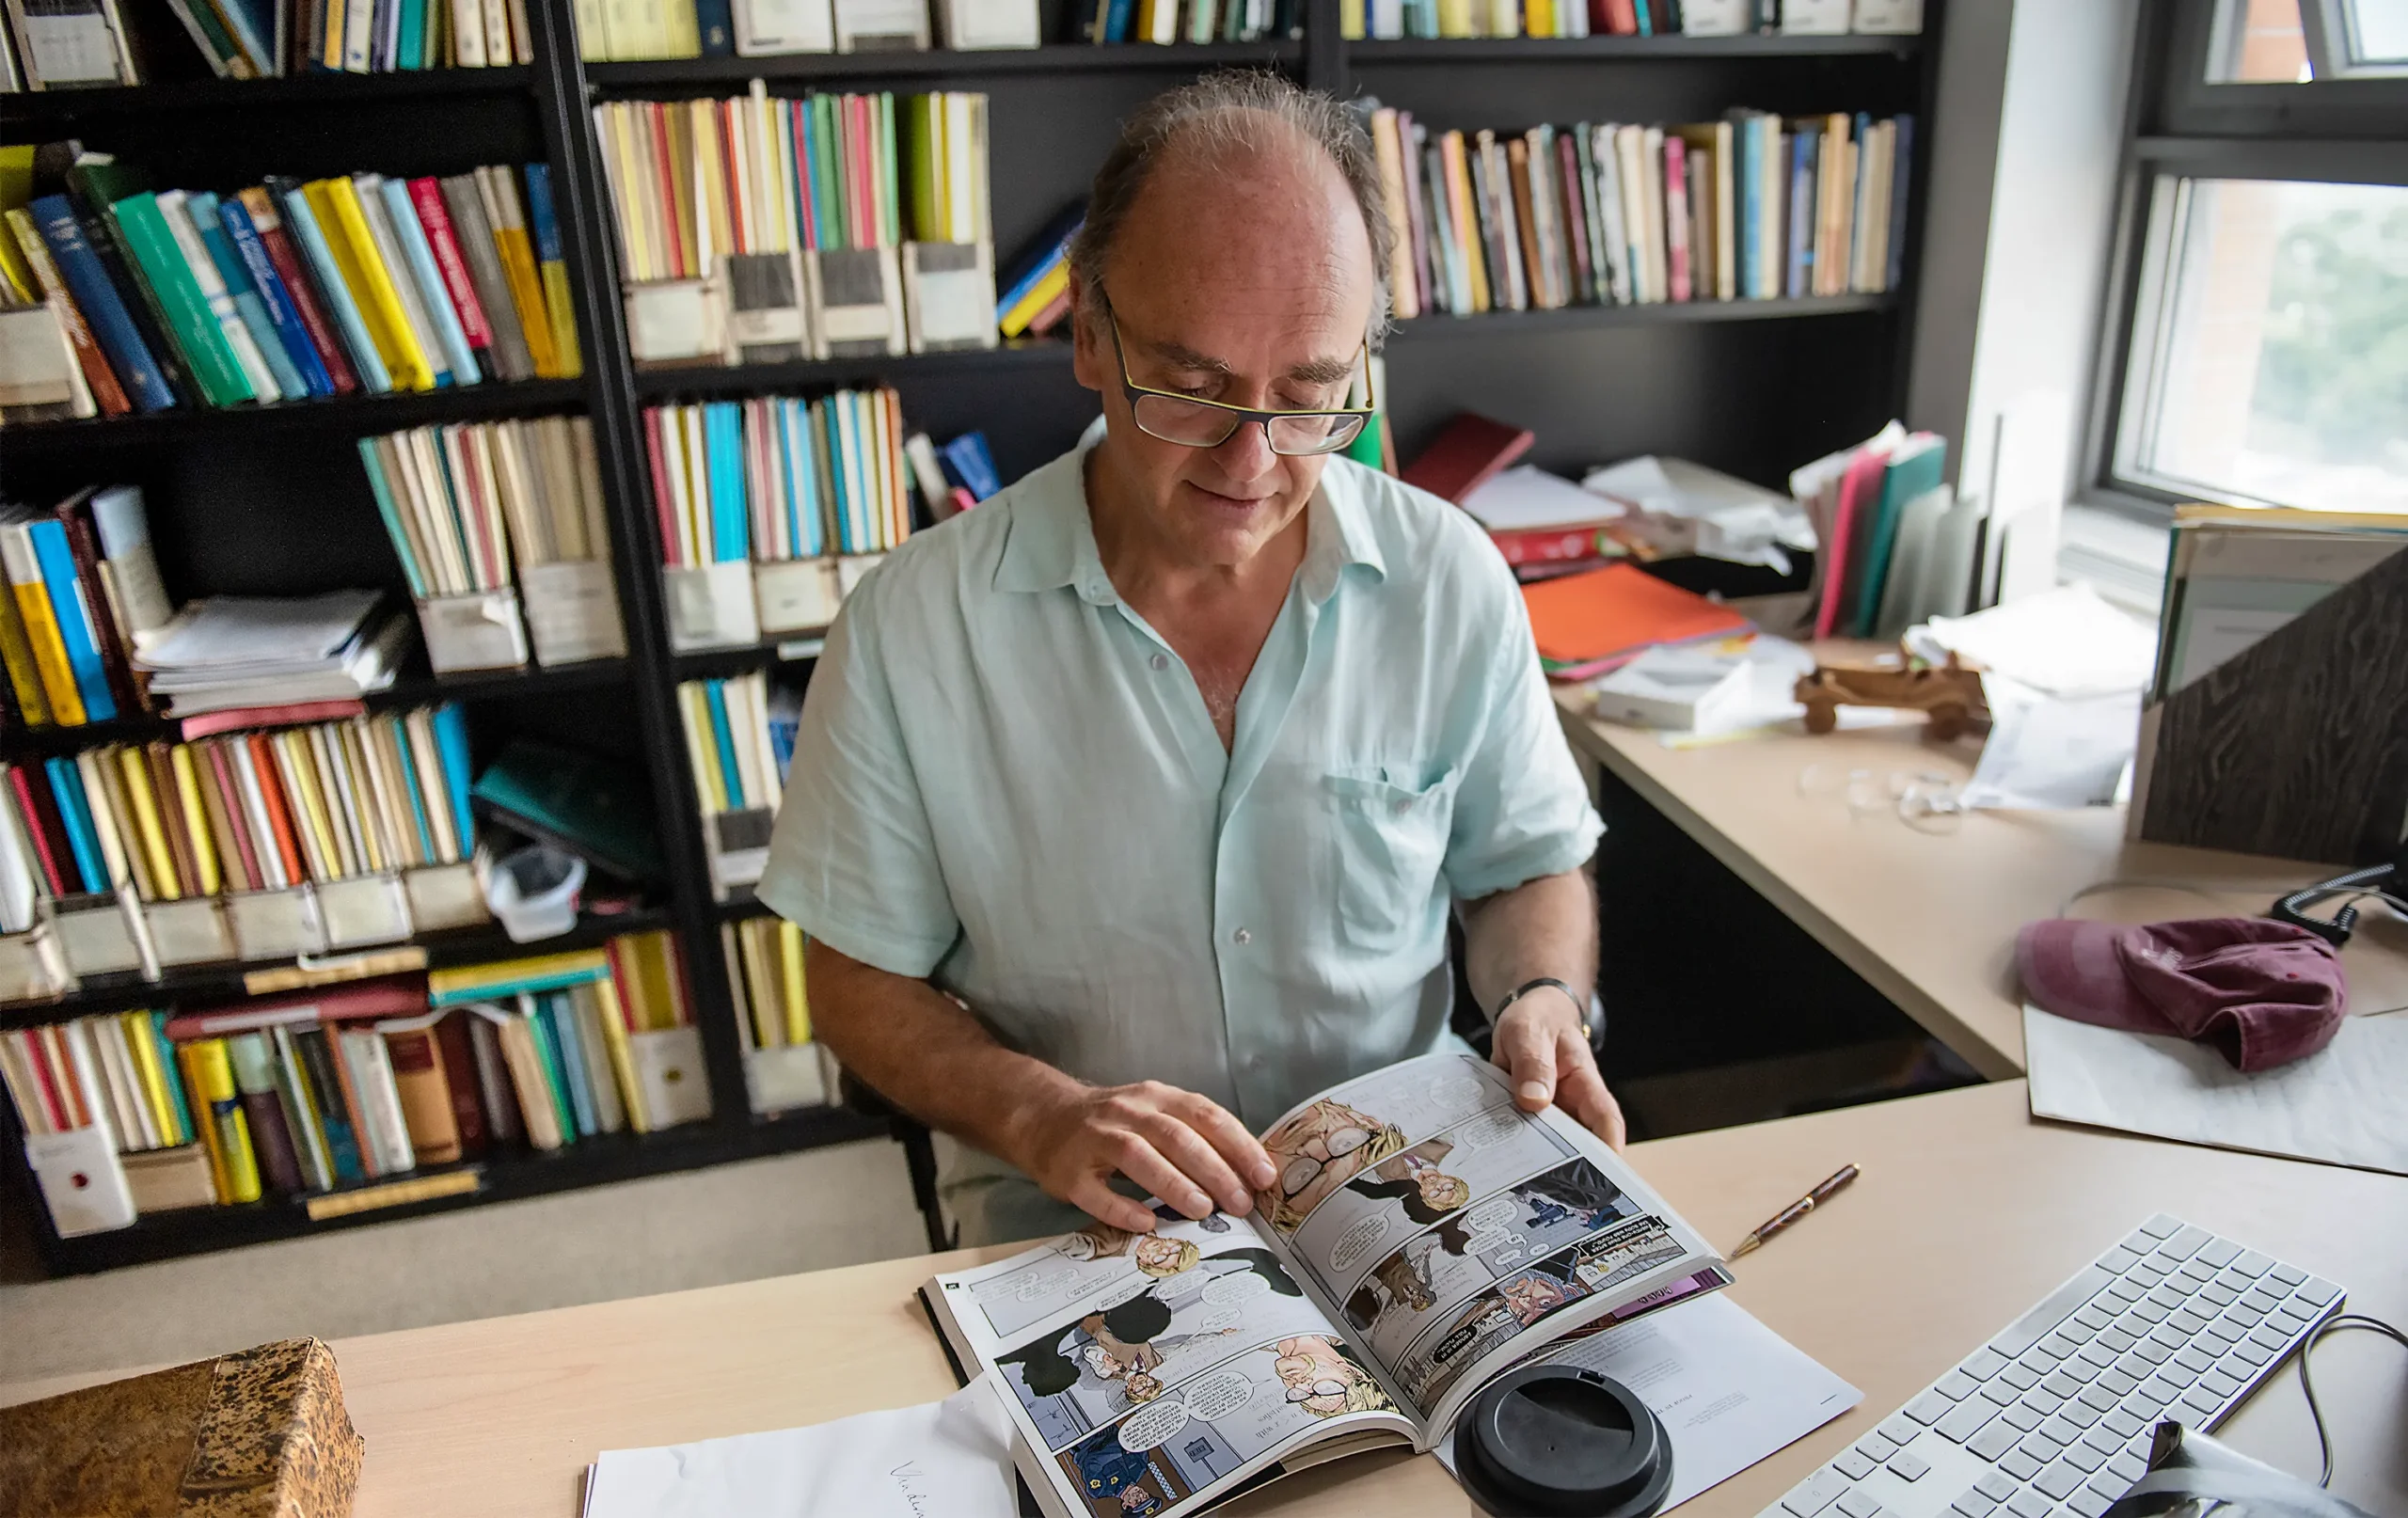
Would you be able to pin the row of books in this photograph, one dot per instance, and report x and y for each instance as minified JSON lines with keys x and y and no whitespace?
{"x":240,"y":812}
{"x":778,"y":478}
{"x":739,"y":745}
{"x":614,"y":30}
{"x":783,"y":1066}
{"x":53,"y":44}
{"x":1036,"y":291}
{"x":345,"y":1096}
{"x":792,"y":212}
{"x":1163,"y":22}
{"x":1386,"y":19}
{"x":284,"y":291}
{"x":1752,"y":207}
{"x":83,"y":591}
{"x":1898,"y":545}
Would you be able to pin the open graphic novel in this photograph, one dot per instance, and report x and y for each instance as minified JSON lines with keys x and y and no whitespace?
{"x":1424,"y":1236}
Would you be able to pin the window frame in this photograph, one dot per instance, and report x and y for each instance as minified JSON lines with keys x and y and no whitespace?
{"x":2351,"y":128}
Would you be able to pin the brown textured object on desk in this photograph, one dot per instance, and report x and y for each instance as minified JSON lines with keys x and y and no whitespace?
{"x":258,"y":1434}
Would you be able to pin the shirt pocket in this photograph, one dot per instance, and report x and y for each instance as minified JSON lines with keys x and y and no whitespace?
{"x":1392,"y":844}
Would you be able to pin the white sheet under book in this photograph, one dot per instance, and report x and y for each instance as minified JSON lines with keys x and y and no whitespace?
{"x":1730,"y":1390}
{"x":952,"y":1457}
{"x":2342,"y":1105}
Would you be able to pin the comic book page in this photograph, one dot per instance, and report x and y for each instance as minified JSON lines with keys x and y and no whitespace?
{"x":1451,"y":1234}
{"x":1154,"y":1374}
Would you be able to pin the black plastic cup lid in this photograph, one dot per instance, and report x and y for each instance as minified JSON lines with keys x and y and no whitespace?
{"x":1560,"y":1441}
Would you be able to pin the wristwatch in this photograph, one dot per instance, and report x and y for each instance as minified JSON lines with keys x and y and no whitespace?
{"x":1528,"y":985}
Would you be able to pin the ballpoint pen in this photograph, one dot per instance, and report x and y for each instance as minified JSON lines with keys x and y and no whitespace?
{"x":1796,"y":1210}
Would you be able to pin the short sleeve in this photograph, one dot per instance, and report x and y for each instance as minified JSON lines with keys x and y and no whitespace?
{"x":1521,"y":810}
{"x":852,"y":860}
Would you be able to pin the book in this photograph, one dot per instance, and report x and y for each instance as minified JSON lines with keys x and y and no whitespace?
{"x":1383,"y":1281}
{"x":1471,"y":451}
{"x":1586,"y":624}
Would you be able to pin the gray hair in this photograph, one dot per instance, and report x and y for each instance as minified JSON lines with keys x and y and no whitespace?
{"x":1220,"y":116}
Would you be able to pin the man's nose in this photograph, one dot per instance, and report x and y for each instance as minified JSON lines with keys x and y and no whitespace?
{"x":1246,"y":453}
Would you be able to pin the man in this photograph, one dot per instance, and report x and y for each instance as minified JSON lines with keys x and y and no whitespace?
{"x":1128,"y":809}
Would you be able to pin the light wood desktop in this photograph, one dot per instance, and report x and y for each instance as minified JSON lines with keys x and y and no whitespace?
{"x":1967,"y":1213}
{"x":1929,"y":921}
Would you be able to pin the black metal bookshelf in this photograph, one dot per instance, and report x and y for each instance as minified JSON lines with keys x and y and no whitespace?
{"x":270,"y":499}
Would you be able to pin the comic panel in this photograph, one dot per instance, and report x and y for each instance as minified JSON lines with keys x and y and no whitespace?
{"x":1415,"y":1287}
{"x":1420,"y":1187}
{"x":1174,"y":1447}
{"x":1081,"y":1264}
{"x":1329,"y":1142}
{"x":1523,"y":1298}
{"x":1141,"y":1340}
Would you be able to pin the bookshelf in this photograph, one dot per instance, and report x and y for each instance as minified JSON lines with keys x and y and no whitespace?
{"x":270,"y":500}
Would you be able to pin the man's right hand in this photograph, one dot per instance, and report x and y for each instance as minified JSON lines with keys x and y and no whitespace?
{"x":1185,"y":1148}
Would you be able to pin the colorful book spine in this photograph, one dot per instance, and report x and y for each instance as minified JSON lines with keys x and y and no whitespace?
{"x":105,"y":309}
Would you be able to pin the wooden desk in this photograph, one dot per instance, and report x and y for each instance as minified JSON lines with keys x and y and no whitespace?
{"x":1967,"y":1214}
{"x":1930,"y":921}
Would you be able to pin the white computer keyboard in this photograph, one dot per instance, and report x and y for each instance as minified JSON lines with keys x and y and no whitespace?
{"x":2052,"y":1416}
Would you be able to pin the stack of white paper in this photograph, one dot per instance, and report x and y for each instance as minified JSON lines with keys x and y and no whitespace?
{"x":229,"y":651}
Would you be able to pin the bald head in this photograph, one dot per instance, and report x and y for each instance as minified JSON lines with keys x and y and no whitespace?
{"x":1279,"y":178}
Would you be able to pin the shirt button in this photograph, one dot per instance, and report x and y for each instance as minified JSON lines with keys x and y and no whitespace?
{"x":1243,"y":935}
{"x":1160,"y":661}
{"x":1403,"y":807}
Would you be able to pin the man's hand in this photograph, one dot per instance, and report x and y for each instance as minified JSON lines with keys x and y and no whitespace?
{"x":1544,"y":1051}
{"x":1184,"y":1148}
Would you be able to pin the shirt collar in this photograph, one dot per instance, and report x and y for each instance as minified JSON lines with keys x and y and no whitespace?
{"x":1051,"y":541}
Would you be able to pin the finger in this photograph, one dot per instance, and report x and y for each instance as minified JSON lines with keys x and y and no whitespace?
{"x":1100,"y":1202}
{"x":1582,"y":1091}
{"x":1197,"y":1158}
{"x":1137,"y":1158}
{"x":1241,"y":1151}
{"x":1528,"y":1054}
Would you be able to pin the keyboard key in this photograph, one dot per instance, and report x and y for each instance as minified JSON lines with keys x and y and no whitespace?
{"x":2126,"y":1468}
{"x":2020,"y":1465}
{"x":2271,"y":1338}
{"x":2222,"y":1382}
{"x":2261,"y":1301}
{"x":2039,"y":1358}
{"x":2186,"y":1243}
{"x":2217,"y":1293}
{"x":1984,"y":1363}
{"x":1963,"y":1420}
{"x":2023,"y":1416}
{"x":2293,"y":1317}
{"x":1928,"y":1408}
{"x":2288,"y":1275}
{"x":2149,"y":1310}
{"x":2146,"y":1275}
{"x":2154,"y":1353}
{"x":2218,"y":1251}
{"x":2085,"y":1458}
{"x":2064,"y":1430}
{"x":2191,"y":1320}
{"x":1859,"y":1504}
{"x":2101,"y":1398}
{"x":1994,"y":1486}
{"x":2123,"y":1290}
{"x":2063,"y":1344}
{"x":1818,"y":1491}
{"x":2117,"y":1385}
{"x":2123,"y":1422}
{"x":1898,"y":1429}
{"x":2252,"y":1352}
{"x":2201,"y":1402}
{"x":2096,"y":1356}
{"x":2056,"y":1384}
{"x":2121,"y":1257}
{"x":2082,"y":1413}
{"x":1972,"y":1504}
{"x":2040,"y":1446}
{"x":2105,"y":1440}
{"x":2195,"y":1359}
{"x":2196,"y":1270}
{"x":2116,"y":1339}
{"x":1877,"y":1447}
{"x":1908,"y":1466}
{"x":2095,"y":1316}
{"x":1853,"y":1465}
{"x":1999,"y":1391}
{"x":2060,"y":1481}
{"x":2251,"y":1263}
{"x":2088,"y":1504}
{"x":2320,"y":1290}
{"x":2053,"y":1309}
{"x":2028,"y":1504}
{"x":1957,"y":1386}
{"x":2162,"y":1226}
{"x":1995,"y":1440}
{"x":2020,"y":1376}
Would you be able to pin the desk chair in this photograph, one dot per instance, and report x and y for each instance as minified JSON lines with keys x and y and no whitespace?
{"x":919,"y":1147}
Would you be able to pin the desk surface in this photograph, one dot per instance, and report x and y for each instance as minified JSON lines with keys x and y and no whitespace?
{"x":1930,"y":921}
{"x":1967,"y":1213}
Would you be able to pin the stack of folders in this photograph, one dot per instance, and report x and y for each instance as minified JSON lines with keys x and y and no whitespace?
{"x":284,"y":291}
{"x":1898,"y":547}
{"x":85,"y":595}
{"x":739,"y":741}
{"x":88,"y":42}
{"x":461,"y":501}
{"x":772,"y":509}
{"x":248,"y":661}
{"x":351,"y":1097}
{"x":1163,"y":22}
{"x":252,"y":846}
{"x":615,"y":29}
{"x":1388,"y":18}
{"x":767,"y":229}
{"x":782,"y":1068}
{"x":1752,"y":207}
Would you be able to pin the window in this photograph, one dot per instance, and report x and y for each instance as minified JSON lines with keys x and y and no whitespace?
{"x":2258,"y":351}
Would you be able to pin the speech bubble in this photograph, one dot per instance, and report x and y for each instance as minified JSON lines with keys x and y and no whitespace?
{"x":1152,"y":1424}
{"x":1357,"y":1241}
{"x":1233,"y":1290}
{"x":1037,"y":1284}
{"x":1219,"y":1321}
{"x":1496,"y":1212}
{"x":1489,"y":1128}
{"x":1217,"y":1396}
{"x":1125,"y":1292}
{"x":1457,"y":1092}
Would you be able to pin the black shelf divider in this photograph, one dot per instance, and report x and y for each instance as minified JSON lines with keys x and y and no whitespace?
{"x":852,"y":69}
{"x":1625,"y":49}
{"x":58,"y":107}
{"x":361,"y":414}
{"x":663,"y":384}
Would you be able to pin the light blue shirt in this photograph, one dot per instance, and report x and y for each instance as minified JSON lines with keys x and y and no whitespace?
{"x":1007,"y":784}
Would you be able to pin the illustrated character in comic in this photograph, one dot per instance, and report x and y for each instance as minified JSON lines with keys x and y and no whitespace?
{"x":1402,"y":1280}
{"x":1157,"y":1255}
{"x":1325,"y":1381}
{"x":1529,"y":1298}
{"x":1414,"y":1180}
{"x":1113,"y":1477}
{"x":1318,"y":1150}
{"x":1141,"y":1387}
{"x":1576,"y":1191}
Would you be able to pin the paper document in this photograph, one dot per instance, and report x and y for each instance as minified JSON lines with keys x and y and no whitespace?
{"x":2340,"y":1105}
{"x":1730,"y":1390}
{"x":953,"y":1457}
{"x":1527,"y":497}
{"x":2065,"y":643}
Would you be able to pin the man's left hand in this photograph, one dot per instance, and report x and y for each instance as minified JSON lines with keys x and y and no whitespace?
{"x":1543,"y":1050}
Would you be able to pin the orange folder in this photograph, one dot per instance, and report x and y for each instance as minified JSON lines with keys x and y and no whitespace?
{"x":1586,"y":622}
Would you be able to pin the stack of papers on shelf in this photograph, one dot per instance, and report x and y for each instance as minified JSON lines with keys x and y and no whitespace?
{"x":236,"y":653}
{"x":1681,"y":508}
{"x":1708,"y":689}
{"x":1590,"y":623}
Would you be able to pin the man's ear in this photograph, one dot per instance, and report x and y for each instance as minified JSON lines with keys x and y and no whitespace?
{"x":1092,"y":359}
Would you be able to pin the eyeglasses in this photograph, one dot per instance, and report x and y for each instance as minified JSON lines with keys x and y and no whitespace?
{"x":1324,"y":1387}
{"x":1193,"y":422}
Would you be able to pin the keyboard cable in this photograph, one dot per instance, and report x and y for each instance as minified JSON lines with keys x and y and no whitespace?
{"x":2315,"y":1413}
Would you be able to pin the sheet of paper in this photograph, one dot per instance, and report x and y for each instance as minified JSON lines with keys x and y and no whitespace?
{"x":2065,"y":643}
{"x":2047,"y":752}
{"x":1524,"y":497}
{"x":953,"y":1457}
{"x":2340,"y":1105}
{"x":1730,"y":1390}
